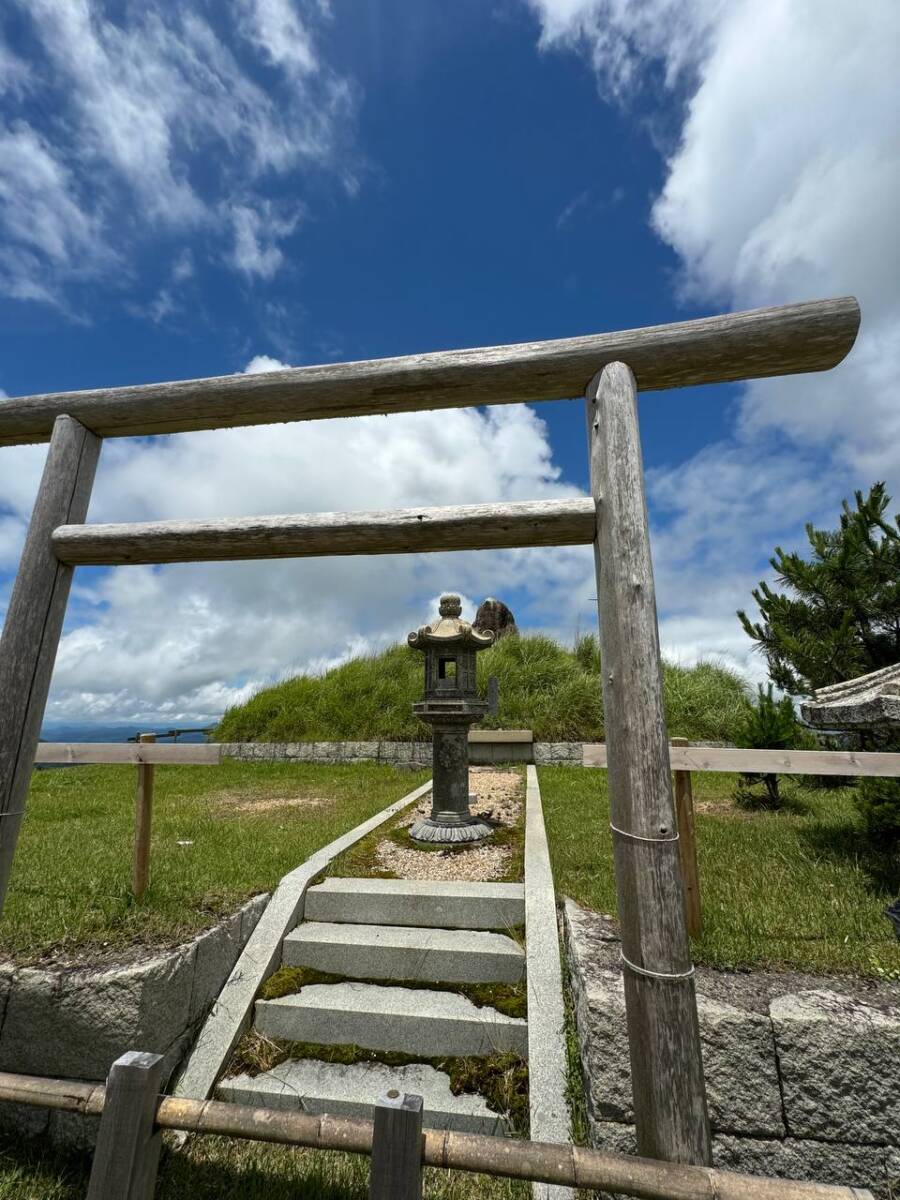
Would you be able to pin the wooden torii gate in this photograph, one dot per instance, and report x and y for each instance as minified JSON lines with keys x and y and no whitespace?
{"x":609,"y":369}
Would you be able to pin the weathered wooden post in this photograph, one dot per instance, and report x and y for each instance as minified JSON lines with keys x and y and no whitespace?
{"x":396,"y":1171}
{"x":143,"y":823}
{"x":128,"y":1144}
{"x":663,"y":1034}
{"x":34,"y":622}
{"x":687,"y":845}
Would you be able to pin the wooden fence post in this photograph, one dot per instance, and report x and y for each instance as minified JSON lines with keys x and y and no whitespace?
{"x":34,"y":622}
{"x":128,"y":1142}
{"x":687,"y":844}
{"x":143,"y":824}
{"x":663,"y":1033}
{"x":396,"y":1171}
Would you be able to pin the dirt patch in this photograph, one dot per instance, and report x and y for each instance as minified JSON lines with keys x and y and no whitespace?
{"x":241,"y":802}
{"x":498,"y":797}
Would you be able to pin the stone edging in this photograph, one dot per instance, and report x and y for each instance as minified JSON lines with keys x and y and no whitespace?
{"x":803,"y":1079}
{"x":233,"y":1009}
{"x":547,"y":1060}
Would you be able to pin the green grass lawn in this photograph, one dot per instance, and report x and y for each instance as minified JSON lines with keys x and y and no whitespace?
{"x":798,"y":888}
{"x":213,"y":1168}
{"x":220,"y":835}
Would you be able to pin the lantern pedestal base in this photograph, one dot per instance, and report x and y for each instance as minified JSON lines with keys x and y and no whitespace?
{"x":430,"y":830}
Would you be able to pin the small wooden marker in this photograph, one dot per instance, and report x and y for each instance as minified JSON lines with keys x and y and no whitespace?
{"x":396,"y":1172}
{"x":128,"y":1142}
{"x":143,"y":824}
{"x":687,"y":844}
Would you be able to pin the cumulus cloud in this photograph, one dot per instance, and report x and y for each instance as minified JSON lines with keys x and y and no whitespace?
{"x":135,"y":100}
{"x":182,"y":641}
{"x":781,"y":184}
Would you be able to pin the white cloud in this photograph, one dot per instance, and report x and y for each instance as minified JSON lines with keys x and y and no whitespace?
{"x":275,"y":27}
{"x":262,"y":364}
{"x":256,"y":236}
{"x":152,"y":126}
{"x":184,"y":640}
{"x":47,"y":233}
{"x":782,"y":184}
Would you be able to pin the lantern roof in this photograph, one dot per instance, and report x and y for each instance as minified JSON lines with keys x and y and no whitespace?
{"x":450,"y":631}
{"x":871,"y":701}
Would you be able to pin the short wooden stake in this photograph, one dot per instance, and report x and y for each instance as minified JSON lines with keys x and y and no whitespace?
{"x":34,"y":622}
{"x":687,"y":845}
{"x":143,"y":824}
{"x":670,"y":1113}
{"x":396,"y":1172}
{"x":128,"y":1143}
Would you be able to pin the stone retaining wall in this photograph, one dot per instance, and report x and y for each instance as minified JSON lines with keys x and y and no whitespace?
{"x":395,"y":754}
{"x":399,"y":754}
{"x":802,"y":1072}
{"x":74,"y":1022}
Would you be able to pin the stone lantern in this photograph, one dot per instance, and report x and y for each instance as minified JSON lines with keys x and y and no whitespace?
{"x":450,"y":706}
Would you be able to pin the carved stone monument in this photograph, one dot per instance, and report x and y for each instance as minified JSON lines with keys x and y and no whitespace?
{"x":494,"y":617}
{"x":450,"y":706}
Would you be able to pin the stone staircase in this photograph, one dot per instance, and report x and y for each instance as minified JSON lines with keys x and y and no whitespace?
{"x":386,"y":930}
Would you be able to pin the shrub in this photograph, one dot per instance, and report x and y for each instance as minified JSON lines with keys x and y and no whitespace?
{"x":769,"y":724}
{"x":878,"y":802}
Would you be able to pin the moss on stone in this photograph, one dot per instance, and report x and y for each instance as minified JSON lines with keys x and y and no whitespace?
{"x":502,"y":1079}
{"x":511,"y":999}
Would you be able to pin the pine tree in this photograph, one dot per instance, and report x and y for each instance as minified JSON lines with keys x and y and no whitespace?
{"x":839,"y":616}
{"x":769,"y":724}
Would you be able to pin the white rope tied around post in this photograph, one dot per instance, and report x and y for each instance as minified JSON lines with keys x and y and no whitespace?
{"x":637,"y":837}
{"x":655,"y":974}
{"x":627,"y":961}
{"x":19,"y":812}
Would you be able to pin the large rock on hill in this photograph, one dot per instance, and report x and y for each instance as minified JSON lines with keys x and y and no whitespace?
{"x":493,"y":616}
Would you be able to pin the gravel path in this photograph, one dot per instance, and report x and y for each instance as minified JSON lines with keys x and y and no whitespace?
{"x":499,"y":796}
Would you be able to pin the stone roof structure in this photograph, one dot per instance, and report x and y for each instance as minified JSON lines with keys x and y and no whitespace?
{"x":869,"y":702}
{"x":450,"y":629}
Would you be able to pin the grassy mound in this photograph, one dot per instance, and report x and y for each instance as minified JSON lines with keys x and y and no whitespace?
{"x":544,"y":686}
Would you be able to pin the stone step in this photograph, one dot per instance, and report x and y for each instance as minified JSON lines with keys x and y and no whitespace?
{"x":410,"y":1020}
{"x":307,"y":1085}
{"x":423,"y":903}
{"x":406,"y":953}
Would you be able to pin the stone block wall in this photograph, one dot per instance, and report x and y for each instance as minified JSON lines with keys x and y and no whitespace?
{"x":74,"y":1022}
{"x":802,"y":1073}
{"x":402,"y":754}
{"x":394,"y":754}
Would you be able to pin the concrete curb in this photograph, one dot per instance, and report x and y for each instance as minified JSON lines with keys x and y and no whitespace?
{"x":547,"y":1063}
{"x":232,"y":1012}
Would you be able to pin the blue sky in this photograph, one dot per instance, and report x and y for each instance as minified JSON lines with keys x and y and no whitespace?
{"x":257,"y":182}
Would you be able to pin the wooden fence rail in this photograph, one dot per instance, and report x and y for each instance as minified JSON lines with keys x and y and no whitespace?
{"x":125,"y":1160}
{"x":766,"y":762}
{"x":206,"y":754}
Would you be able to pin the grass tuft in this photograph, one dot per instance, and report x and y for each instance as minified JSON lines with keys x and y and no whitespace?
{"x":220,"y":1168}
